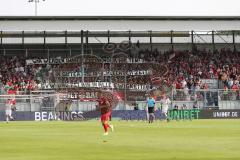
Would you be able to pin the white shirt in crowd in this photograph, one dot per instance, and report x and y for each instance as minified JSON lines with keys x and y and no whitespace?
{"x":184,"y":83}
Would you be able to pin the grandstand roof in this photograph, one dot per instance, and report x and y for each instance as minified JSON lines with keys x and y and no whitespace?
{"x":184,"y":18}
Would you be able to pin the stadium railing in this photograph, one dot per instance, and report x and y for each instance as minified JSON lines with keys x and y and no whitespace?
{"x":207,"y":98}
{"x":50,"y":100}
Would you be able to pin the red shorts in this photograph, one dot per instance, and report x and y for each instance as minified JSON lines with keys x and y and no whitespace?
{"x":106,"y":116}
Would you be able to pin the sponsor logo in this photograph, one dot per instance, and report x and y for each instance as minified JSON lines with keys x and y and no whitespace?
{"x":183,"y":114}
{"x":222,"y":114}
{"x":67,"y":116}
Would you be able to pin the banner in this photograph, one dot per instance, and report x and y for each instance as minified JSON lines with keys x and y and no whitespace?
{"x":220,"y":114}
{"x":45,"y":61}
{"x":188,"y":114}
{"x":79,"y":60}
{"x":77,"y":115}
{"x":185,"y":114}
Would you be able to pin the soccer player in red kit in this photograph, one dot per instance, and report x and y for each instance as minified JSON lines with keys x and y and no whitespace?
{"x":104,"y":106}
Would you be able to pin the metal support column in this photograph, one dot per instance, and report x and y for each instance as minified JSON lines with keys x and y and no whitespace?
{"x":213,"y":42}
{"x":151,"y":41}
{"x":87,"y":48}
{"x":1,"y":38}
{"x":129,"y":41}
{"x":108,"y":36}
{"x":82,"y":54}
{"x":172,"y":47}
{"x":48,"y":54}
{"x":44,"y":42}
{"x":23,"y":44}
{"x":233,"y":41}
{"x":66,"y":43}
{"x":26,"y":52}
{"x":70,"y":52}
{"x":65,"y":36}
{"x":125,"y":89}
{"x":22,"y":37}
{"x":192,"y":41}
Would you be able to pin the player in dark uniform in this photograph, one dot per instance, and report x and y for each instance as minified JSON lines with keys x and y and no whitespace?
{"x":151,"y":108}
{"x":105,"y":108}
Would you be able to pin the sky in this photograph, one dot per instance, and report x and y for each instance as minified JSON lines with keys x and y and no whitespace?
{"x":121,"y":8}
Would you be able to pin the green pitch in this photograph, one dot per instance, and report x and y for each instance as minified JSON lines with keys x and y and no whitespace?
{"x":131,"y":140}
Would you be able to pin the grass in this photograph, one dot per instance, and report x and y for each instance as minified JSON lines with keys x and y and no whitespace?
{"x":131,"y":140}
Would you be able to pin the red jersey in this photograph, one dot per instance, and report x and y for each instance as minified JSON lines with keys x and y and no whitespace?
{"x":234,"y":87}
{"x":10,"y":91}
{"x":102,"y":101}
{"x":11,"y":102}
{"x":103,"y":105}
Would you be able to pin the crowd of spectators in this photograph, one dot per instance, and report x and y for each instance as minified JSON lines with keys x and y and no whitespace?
{"x":178,"y":70}
{"x":15,"y":76}
{"x":187,"y":68}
